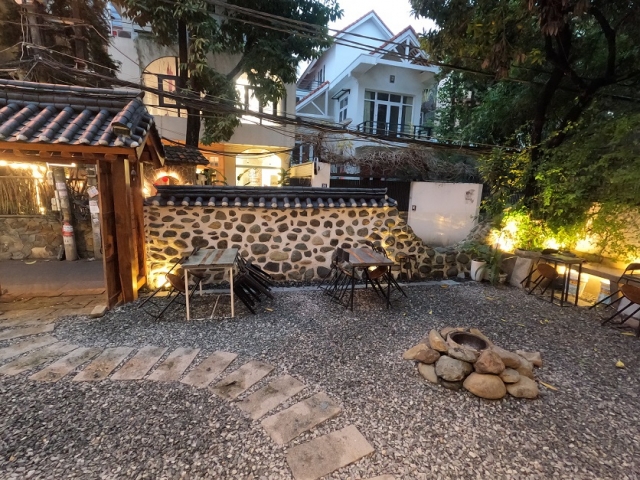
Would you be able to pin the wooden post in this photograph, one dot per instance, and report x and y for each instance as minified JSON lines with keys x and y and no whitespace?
{"x":137,"y":197}
{"x":108,"y":230}
{"x":127,"y":254}
{"x":70,"y":250}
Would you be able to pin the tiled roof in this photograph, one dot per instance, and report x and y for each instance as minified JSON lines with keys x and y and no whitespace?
{"x":270,"y":197}
{"x":38,"y":113}
{"x":182,"y":155}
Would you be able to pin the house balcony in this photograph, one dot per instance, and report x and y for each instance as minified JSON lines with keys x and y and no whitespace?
{"x":395,"y":130}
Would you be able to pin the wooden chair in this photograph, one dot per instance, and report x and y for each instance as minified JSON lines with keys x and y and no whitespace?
{"x":632,"y":295}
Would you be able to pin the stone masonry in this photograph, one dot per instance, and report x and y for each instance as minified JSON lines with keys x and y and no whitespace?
{"x":294,"y":244}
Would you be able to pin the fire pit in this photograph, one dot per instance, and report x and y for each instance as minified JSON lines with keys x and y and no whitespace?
{"x":467,"y":339}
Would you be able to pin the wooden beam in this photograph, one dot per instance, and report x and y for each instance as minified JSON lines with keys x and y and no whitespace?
{"x":140,"y":240}
{"x":127,"y":253}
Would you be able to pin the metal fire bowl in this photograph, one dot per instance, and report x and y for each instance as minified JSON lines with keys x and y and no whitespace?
{"x":468,"y":340}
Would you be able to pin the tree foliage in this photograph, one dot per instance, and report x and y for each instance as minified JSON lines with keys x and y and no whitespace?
{"x":72,"y":32}
{"x":269,"y":57}
{"x":555,"y":83}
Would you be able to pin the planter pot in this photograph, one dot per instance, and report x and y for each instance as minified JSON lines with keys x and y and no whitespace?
{"x":477,"y":270}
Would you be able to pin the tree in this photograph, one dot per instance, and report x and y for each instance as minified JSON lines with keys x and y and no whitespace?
{"x":554,"y":81}
{"x":560,"y":55}
{"x":72,"y":32}
{"x":269,"y":57}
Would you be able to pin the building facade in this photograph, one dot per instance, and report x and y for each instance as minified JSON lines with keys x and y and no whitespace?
{"x":369,"y":81}
{"x":258,"y":150}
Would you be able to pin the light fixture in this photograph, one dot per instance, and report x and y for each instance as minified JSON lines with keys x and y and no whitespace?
{"x":71,"y":165}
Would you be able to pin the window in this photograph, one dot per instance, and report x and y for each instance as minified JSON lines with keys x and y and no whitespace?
{"x":321,"y":75}
{"x":162,"y":74}
{"x":250,"y":103}
{"x":387,"y":114}
{"x":344,"y":103}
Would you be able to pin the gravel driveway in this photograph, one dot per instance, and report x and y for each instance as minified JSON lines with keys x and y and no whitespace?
{"x":588,"y":428}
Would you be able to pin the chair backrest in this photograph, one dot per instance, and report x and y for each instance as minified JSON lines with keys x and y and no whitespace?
{"x":549,"y":251}
{"x":547,"y":271}
{"x":631,"y":268}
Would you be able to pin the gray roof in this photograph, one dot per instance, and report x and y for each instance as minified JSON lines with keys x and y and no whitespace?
{"x":270,"y":197}
{"x":38,"y":113}
{"x":182,"y":155}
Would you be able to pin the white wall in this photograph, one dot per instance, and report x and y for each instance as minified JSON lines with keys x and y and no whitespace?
{"x":444,"y":213}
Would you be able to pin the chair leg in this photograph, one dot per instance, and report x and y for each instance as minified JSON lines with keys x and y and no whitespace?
{"x":618,"y":312}
{"x":170,"y":303}
{"x":603,"y":300}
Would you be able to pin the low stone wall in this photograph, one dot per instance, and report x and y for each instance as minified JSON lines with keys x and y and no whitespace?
{"x":293,"y":244}
{"x":39,"y":236}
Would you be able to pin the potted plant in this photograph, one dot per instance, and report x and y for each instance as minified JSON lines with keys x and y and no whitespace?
{"x":480,"y":257}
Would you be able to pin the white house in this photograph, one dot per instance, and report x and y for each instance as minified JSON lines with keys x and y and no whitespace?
{"x":258,"y":149}
{"x":370,"y":81}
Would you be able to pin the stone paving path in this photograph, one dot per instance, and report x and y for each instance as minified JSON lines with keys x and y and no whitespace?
{"x":308,"y":461}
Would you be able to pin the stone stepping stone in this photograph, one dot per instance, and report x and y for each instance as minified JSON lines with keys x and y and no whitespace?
{"x":103,"y":365}
{"x":64,"y":366}
{"x":267,"y":398}
{"x":26,"y":331}
{"x":174,"y":366}
{"x":286,"y":425}
{"x":26,"y":346}
{"x":140,"y":364}
{"x":210,"y":368}
{"x":231,"y":386}
{"x":37,"y":358}
{"x":328,"y":453}
{"x":23,"y":318}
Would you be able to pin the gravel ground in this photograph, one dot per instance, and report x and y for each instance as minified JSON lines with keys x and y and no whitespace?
{"x":588,"y":428}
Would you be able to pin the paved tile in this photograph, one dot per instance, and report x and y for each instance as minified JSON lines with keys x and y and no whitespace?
{"x":286,"y":425}
{"x":26,"y":346}
{"x":326,"y":454}
{"x":23,"y":318}
{"x":103,"y":365}
{"x":138,"y":366}
{"x":26,"y":331}
{"x":36,"y":358}
{"x":174,"y":366}
{"x":267,"y":398}
{"x":66,"y":365}
{"x":208,"y":369}
{"x":240,"y":380}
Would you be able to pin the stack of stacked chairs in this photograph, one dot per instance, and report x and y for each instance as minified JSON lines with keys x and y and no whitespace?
{"x":250,"y":283}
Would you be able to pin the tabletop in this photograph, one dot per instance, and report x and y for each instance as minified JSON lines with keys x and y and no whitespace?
{"x":214,"y":257}
{"x":365,"y":257}
{"x":564,"y":259}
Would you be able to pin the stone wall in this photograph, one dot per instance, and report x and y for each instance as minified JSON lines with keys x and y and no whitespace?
{"x":293,"y":244}
{"x":39,"y":236}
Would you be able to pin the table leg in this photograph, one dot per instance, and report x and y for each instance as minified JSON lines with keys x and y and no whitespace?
{"x":231,"y":282}
{"x":353,"y":287}
{"x":389,"y":288}
{"x":186,"y":291}
{"x":575,"y":303}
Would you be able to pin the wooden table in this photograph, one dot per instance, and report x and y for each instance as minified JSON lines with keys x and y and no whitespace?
{"x":210,"y":259}
{"x":568,"y":262}
{"x":364,"y":258}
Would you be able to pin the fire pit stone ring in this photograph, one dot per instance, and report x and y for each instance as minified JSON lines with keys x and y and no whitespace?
{"x":468,"y":340}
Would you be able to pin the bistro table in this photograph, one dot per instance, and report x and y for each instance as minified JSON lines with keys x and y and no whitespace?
{"x":568,"y":262}
{"x":365,"y":258}
{"x":210,"y":259}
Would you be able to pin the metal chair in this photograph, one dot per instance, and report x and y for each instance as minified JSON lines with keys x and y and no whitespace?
{"x":629,"y":275}
{"x":547,"y":276}
{"x":632,"y":295}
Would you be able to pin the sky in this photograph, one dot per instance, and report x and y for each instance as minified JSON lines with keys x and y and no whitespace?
{"x":396,"y":14}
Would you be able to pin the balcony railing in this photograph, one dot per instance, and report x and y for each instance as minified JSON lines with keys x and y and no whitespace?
{"x":395,"y":130}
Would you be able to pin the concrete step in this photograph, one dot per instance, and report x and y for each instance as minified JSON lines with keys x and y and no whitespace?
{"x":242,"y":379}
{"x":140,"y":364}
{"x":174,"y":366}
{"x":36,"y":358}
{"x":286,"y":425}
{"x":203,"y":374}
{"x":26,"y":331}
{"x":66,"y":365}
{"x":267,"y":398}
{"x":326,"y":454}
{"x":103,"y":365}
{"x":26,"y":346}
